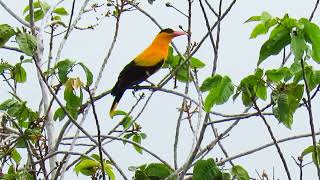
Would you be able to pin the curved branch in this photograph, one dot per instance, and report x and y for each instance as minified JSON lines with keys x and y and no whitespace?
{"x":14,"y":14}
{"x":264,"y":146}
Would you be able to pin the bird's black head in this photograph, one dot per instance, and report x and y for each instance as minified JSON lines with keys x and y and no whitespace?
{"x":170,"y":33}
{"x":167,"y":30}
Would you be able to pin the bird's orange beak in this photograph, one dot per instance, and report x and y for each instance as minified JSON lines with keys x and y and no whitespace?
{"x":179,"y":33}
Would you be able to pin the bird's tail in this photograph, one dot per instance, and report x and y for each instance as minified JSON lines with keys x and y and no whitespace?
{"x":118,"y":96}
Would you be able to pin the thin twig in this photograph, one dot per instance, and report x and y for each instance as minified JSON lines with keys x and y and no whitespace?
{"x":104,"y":63}
{"x":91,"y":149}
{"x":76,"y":124}
{"x":99,"y":134}
{"x":70,"y":20}
{"x":75,"y":22}
{"x":215,"y":49}
{"x":31,"y":15}
{"x":12,"y":48}
{"x":14,"y":14}
{"x":224,"y":151}
{"x":254,"y":150}
{"x":127,"y":141}
{"x":309,"y":108}
{"x":236,"y":117}
{"x":273,"y":138}
{"x":211,"y":8}
{"x":314,"y":10}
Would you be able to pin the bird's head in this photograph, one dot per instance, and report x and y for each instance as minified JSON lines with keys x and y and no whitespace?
{"x":168,"y":34}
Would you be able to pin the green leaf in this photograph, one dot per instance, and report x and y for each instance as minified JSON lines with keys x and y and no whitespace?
{"x":40,"y":8}
{"x":196,"y":63}
{"x":126,"y":122}
{"x":169,"y":59}
{"x":175,"y":61}
{"x":206,"y":170}
{"x":157,"y":170}
{"x":64,"y":69}
{"x":6,"y":32}
{"x":264,"y":17}
{"x":38,"y":5}
{"x":182,"y":74}
{"x":15,"y":156}
{"x":4,"y":66}
{"x":119,"y":113}
{"x":87,"y":167}
{"x":11,"y":174}
{"x":137,"y":138}
{"x":19,"y":73}
{"x":226,"y":176}
{"x":262,"y":28}
{"x":316,"y":77}
{"x":282,"y":110}
{"x":312,"y":35}
{"x":266,"y":22}
{"x":298,"y":46}
{"x":143,"y":135}
{"x":287,"y":101}
{"x":295,"y":67}
{"x":220,"y":93}
{"x":312,"y":77}
{"x":279,"y":38}
{"x":295,"y":92}
{"x":27,"y":43}
{"x":88,"y":74}
{"x":37,"y":15}
{"x":7,"y":104}
{"x":261,"y":91}
{"x":240,"y":173}
{"x":70,"y":97}
{"x":246,"y":99}
{"x":108,"y":169}
{"x":276,"y":75}
{"x":127,"y":136}
{"x":258,"y":30}
{"x":59,"y":114}
{"x":310,"y":149}
{"x":61,"y":11}
{"x":140,"y":175}
{"x":96,"y":157}
{"x":210,"y":82}
{"x":57,"y":18}
{"x":74,"y":112}
{"x":283,"y":105}
{"x":253,"y":18}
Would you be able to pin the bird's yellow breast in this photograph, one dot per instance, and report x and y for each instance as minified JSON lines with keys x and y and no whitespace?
{"x":151,"y":57}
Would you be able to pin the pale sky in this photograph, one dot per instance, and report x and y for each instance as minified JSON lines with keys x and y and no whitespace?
{"x":238,"y":57}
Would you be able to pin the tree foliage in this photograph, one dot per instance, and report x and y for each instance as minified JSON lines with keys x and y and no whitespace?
{"x":68,"y":93}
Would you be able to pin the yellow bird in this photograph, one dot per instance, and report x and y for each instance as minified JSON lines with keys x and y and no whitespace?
{"x":144,"y":65}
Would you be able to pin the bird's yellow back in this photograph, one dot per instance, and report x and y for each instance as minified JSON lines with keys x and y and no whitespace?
{"x":156,"y":52}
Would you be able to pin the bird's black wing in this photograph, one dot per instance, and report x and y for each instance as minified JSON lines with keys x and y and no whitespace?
{"x":133,"y":74}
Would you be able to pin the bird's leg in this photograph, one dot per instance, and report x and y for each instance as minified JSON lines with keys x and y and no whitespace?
{"x":135,"y":87}
{"x":141,"y":96}
{"x":134,"y":93}
{"x":153,"y":87}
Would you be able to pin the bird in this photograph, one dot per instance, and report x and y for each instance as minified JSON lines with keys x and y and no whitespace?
{"x":144,"y":65}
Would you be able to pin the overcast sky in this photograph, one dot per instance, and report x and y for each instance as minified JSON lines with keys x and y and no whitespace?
{"x":238,"y":57}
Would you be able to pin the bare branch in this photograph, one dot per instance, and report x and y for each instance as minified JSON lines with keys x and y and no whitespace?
{"x":254,"y":150}
{"x":309,"y":108}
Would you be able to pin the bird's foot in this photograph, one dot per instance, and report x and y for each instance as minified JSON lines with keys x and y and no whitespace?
{"x":136,"y":88}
